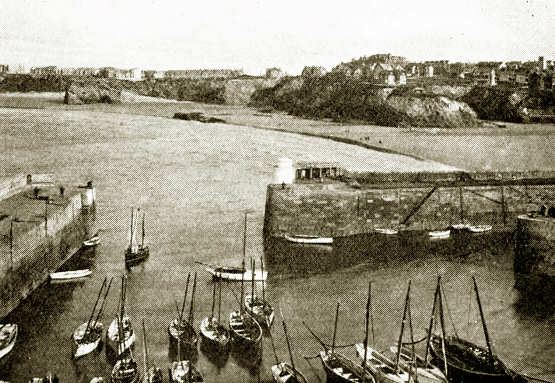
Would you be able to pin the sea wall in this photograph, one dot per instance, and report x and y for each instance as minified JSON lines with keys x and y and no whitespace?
{"x":12,"y":185}
{"x":339,"y":210}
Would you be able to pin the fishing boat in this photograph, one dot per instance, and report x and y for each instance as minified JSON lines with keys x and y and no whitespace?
{"x":465,"y":361}
{"x":257,"y":306}
{"x":120,"y":336}
{"x":125,"y":371}
{"x":309,"y":239}
{"x":231,"y":273}
{"x":93,"y":241}
{"x":182,"y":334}
{"x":439,"y":234}
{"x":135,"y":253}
{"x":339,"y":368}
{"x":479,"y":228}
{"x":427,"y":372}
{"x":283,"y":372}
{"x":152,"y":374}
{"x":87,"y":337}
{"x":386,"y":231}
{"x":70,"y":276}
{"x":8,"y":337}
{"x":184,"y":371}
{"x":214,"y":335}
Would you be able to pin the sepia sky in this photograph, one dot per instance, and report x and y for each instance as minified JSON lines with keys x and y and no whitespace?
{"x":253,"y":35}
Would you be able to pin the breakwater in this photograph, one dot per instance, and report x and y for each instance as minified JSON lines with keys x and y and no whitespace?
{"x":42,"y":226}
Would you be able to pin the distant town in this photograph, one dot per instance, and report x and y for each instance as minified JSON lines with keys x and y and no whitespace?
{"x":384,"y":69}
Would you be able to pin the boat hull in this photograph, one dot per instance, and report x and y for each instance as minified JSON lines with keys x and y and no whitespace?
{"x":474,"y":369}
{"x":125,"y":371}
{"x":185,"y":372}
{"x":340,"y":369}
{"x":135,"y":258}
{"x":246,"y":333}
{"x":8,"y":339}
{"x":215,"y":338}
{"x":80,"y":348}
{"x":112,"y":337}
{"x":187,"y":337}
{"x":284,"y":373}
{"x":261,"y":311}
{"x":429,"y":374}
{"x":309,"y":239}
{"x":238,"y":275}
{"x":70,"y":276}
{"x":94,"y":241}
{"x":381,"y":367}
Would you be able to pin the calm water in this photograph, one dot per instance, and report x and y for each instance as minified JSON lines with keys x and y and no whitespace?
{"x":195,"y":181}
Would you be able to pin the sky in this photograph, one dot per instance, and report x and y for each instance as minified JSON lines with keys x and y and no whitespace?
{"x":254,"y":35}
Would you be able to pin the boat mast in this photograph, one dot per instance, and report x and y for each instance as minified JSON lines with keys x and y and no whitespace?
{"x":399,"y":343}
{"x":289,"y":346}
{"x":263,"y":282}
{"x":366,"y":323}
{"x":335,"y":328}
{"x":244,"y":241}
{"x":483,"y":321}
{"x":101,"y":310}
{"x":412,"y":344}
{"x":131,"y":230}
{"x":94,"y":307}
{"x":145,"y":358}
{"x":184,"y":299}
{"x":213,"y":301}
{"x":442,"y":321}
{"x":252,"y":282}
{"x":192,"y":309}
{"x":219,"y":299}
{"x":242,"y":290}
{"x":432,"y":317}
{"x":143,"y":232}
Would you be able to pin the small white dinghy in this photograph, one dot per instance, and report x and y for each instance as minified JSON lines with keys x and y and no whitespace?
{"x":93,"y":241}
{"x":235,"y":273}
{"x":479,"y":228}
{"x":443,"y":234}
{"x":8,"y":337}
{"x":309,"y":239}
{"x":69,"y":276}
{"x":386,"y":231}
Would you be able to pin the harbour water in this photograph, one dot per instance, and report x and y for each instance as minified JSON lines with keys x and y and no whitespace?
{"x":195,"y":181}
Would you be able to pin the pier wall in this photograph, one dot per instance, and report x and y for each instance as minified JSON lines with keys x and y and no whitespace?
{"x":41,"y":246}
{"x":337,"y":209}
{"x":12,"y":185}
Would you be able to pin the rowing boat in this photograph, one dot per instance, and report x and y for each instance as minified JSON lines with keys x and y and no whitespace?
{"x":439,"y":234}
{"x":386,"y":231}
{"x":69,"y":276}
{"x":309,"y":239}
{"x":93,"y":241}
{"x":231,"y":273}
{"x":8,"y":337}
{"x":479,"y":228}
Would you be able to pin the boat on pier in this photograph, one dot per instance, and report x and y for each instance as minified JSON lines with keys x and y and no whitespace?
{"x":136,"y":253}
{"x":88,"y":336}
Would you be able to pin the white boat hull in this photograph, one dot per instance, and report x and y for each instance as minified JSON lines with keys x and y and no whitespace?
{"x":112,"y":337}
{"x":70,"y":276}
{"x":10,"y":330}
{"x":381,"y":367}
{"x":309,"y":240}
{"x":439,"y":234}
{"x":247,"y":275}
{"x":82,"y":349}
{"x":91,"y":242}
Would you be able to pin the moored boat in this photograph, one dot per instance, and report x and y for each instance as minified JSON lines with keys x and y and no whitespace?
{"x":386,"y":231}
{"x":246,"y":333}
{"x":231,"y":273}
{"x":182,"y":334}
{"x":120,"y":336}
{"x":308,"y":239}
{"x":8,"y":338}
{"x":258,"y":307}
{"x":136,"y":253}
{"x":69,"y":276}
{"x":381,"y":367}
{"x":427,"y":372}
{"x":214,"y":335}
{"x":442,"y":234}
{"x":184,"y":371}
{"x":283,"y":372}
{"x":479,"y":228}
{"x":125,"y":371}
{"x":93,"y":241}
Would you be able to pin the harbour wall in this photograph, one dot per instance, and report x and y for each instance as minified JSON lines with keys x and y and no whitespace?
{"x":338,"y":210}
{"x":41,"y":245}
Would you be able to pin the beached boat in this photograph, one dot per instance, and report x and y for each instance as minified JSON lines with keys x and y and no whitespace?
{"x":120,"y":336}
{"x":93,"y":241}
{"x":386,"y":231}
{"x":465,"y":361}
{"x":309,"y":239}
{"x":70,"y":276}
{"x":442,"y":234}
{"x":136,"y":253}
{"x":125,"y":371}
{"x":257,"y":306}
{"x":427,"y":372}
{"x":479,"y":228}
{"x":214,"y":335}
{"x":87,"y":337}
{"x":185,"y":372}
{"x":182,"y":334}
{"x":8,"y":337}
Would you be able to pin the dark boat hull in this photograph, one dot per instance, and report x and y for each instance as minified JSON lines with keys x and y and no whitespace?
{"x":135,"y":259}
{"x":184,"y":342}
{"x":466,"y":363}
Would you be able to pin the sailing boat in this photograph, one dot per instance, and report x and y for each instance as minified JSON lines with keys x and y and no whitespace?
{"x":467,"y":362}
{"x":88,"y":336}
{"x":234,"y":273}
{"x":339,"y":368}
{"x":182,"y":334}
{"x":215,"y":336}
{"x":135,"y":253}
{"x":120,"y":336}
{"x":152,"y":374}
{"x":184,"y":371}
{"x":404,"y":368}
{"x":283,"y":372}
{"x":257,"y":307}
{"x":125,"y":370}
